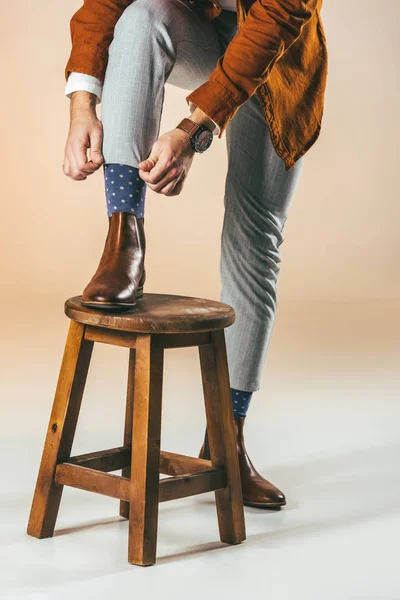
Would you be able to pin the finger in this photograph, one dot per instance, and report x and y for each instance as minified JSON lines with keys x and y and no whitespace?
{"x":172,"y":175}
{"x":69,"y":170}
{"x":164,"y":171}
{"x":158,"y":173}
{"x":148,"y":164}
{"x":96,"y":155}
{"x":167,"y":189}
{"x":76,"y":173}
{"x":177,"y":189}
{"x":79,"y":160}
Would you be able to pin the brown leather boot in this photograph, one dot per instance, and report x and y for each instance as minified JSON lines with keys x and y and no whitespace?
{"x":256,"y":490}
{"x":120,"y":276}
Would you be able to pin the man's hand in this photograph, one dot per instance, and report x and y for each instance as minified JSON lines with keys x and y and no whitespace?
{"x":170,"y":159}
{"x":85,"y":133}
{"x":168,"y":164}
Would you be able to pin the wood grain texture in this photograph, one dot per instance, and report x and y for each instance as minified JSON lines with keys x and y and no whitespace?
{"x":187,"y":322}
{"x":90,"y":480}
{"x":180,"y":464}
{"x":114,"y":486}
{"x":221,"y":434}
{"x":125,"y":339}
{"x":113,"y":459}
{"x":126,"y":471}
{"x":60,"y":431}
{"x":145,"y":465}
{"x":162,"y":313}
{"x":172,"y":488}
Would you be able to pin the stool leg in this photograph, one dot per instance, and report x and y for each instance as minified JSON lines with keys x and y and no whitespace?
{"x":145,"y":463}
{"x":126,"y":472}
{"x":61,"y":431}
{"x":221,"y":435}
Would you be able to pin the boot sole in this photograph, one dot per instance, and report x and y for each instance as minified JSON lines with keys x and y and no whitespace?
{"x":111,"y":305}
{"x":265,"y":506}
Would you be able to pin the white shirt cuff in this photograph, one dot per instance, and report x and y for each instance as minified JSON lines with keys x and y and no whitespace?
{"x":78,"y":82}
{"x":192,"y":107}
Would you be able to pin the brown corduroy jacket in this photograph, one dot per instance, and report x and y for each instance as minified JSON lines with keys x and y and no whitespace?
{"x":279,"y":52}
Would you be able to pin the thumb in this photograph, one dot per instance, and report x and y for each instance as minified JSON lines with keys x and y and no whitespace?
{"x":148,"y":163}
{"x":96,"y":155}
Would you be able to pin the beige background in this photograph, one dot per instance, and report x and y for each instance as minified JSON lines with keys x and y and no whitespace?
{"x":326,"y":420}
{"x":342,"y":235}
{"x":339,"y":286}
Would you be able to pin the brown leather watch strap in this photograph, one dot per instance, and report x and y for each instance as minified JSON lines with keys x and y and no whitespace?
{"x":189,"y":126}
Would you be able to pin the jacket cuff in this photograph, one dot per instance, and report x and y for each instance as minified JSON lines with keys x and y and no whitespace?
{"x":216,"y":102}
{"x":84,"y":54}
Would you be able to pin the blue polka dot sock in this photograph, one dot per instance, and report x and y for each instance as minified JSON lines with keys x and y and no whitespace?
{"x":240,"y":402}
{"x":125,"y":190}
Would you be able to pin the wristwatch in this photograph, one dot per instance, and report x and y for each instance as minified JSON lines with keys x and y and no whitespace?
{"x":200,"y":135}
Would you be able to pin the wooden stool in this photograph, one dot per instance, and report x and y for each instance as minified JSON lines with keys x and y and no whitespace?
{"x":158,"y":321}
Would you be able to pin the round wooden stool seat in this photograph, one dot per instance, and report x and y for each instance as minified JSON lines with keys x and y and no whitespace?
{"x":157,"y":313}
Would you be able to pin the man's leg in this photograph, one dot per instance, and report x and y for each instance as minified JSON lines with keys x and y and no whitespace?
{"x":258,"y":194}
{"x":154,"y":42}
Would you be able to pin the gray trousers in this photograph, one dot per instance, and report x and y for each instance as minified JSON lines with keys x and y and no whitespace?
{"x":156,"y":42}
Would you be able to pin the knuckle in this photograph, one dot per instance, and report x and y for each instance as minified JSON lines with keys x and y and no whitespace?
{"x":171,"y":163}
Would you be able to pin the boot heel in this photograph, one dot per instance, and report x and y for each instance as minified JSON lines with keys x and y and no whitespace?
{"x":139,"y":292}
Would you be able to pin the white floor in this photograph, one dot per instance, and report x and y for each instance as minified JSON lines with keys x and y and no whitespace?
{"x":324,"y":427}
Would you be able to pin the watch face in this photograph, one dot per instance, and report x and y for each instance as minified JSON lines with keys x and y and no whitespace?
{"x":203,"y":139}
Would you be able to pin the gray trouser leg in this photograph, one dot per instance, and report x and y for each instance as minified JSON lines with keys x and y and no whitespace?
{"x":154,"y":42}
{"x":165,"y":41}
{"x":258,"y":194}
